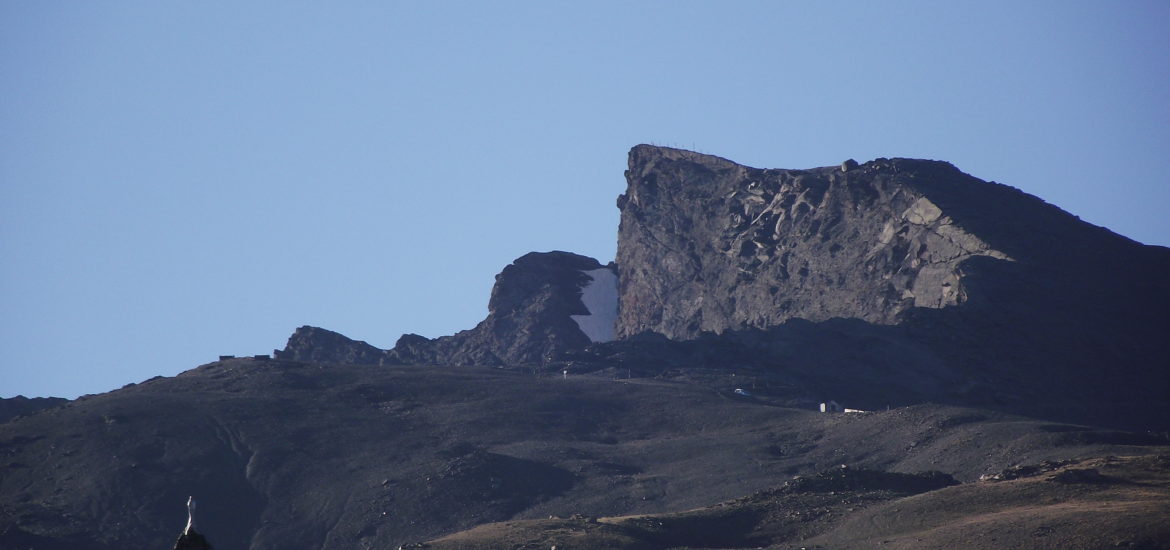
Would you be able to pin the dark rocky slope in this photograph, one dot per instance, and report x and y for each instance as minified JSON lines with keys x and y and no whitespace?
{"x":21,"y":405}
{"x":305,"y":455}
{"x":945,"y":304}
{"x":1100,"y":503}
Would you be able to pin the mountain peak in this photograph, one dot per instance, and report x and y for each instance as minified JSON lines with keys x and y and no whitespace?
{"x":746,"y":247}
{"x":956,"y":285}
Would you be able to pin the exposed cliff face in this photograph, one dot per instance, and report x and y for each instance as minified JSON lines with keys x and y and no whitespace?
{"x":1005,"y":300}
{"x":890,"y":282}
{"x":706,"y":244}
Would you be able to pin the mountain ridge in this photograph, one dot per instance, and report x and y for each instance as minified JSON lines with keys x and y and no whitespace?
{"x":972,"y":292}
{"x":972,"y":342}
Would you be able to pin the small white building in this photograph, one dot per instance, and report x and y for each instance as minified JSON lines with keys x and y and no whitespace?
{"x":831,"y":406}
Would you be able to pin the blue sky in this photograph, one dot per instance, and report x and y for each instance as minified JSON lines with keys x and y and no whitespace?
{"x":180,"y":180}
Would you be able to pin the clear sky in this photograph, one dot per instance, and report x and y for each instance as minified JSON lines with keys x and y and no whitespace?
{"x":180,"y":180}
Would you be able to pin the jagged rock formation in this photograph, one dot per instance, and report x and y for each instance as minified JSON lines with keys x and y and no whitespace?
{"x":891,"y":282}
{"x":990,"y":295}
{"x":897,"y":286}
{"x":741,"y":247}
{"x":536,"y":313}
{"x":706,"y":244}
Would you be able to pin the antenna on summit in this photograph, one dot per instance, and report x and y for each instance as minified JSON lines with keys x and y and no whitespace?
{"x":190,"y":516}
{"x":190,"y":539}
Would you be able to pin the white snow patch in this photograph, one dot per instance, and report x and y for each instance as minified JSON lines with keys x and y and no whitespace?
{"x":600,"y":296}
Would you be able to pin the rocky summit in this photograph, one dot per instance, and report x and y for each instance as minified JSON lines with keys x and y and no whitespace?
{"x":990,"y":370}
{"x":889,"y":282}
{"x":708,"y":245}
{"x":977,"y":284}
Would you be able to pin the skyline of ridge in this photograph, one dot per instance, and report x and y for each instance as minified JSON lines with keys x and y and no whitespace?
{"x":185,"y":181}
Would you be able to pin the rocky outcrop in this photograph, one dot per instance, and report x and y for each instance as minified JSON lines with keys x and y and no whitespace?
{"x":317,"y":345}
{"x":537,"y":311}
{"x":899,"y":287}
{"x":983,"y":294}
{"x":893,"y":281}
{"x":708,"y":245}
{"x":535,"y":314}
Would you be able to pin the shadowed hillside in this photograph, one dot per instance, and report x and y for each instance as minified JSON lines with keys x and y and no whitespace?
{"x":280,"y":453}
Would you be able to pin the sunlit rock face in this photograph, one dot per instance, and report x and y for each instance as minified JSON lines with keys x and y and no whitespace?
{"x":706,"y":244}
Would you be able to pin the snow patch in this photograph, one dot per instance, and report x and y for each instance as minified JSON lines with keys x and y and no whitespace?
{"x":600,"y":296}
